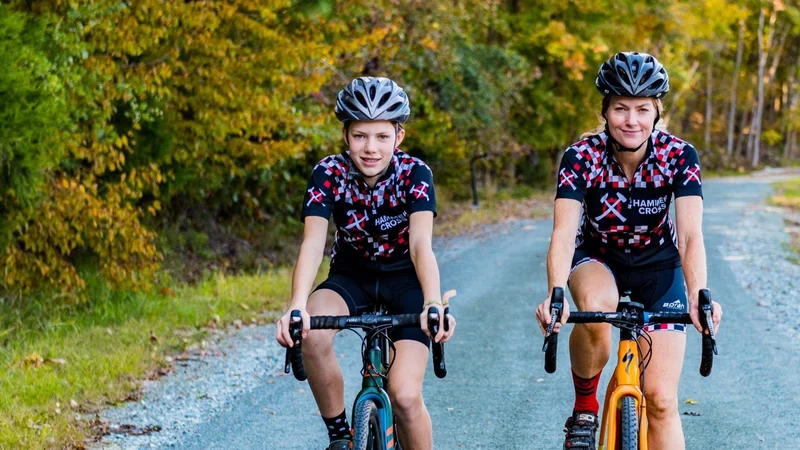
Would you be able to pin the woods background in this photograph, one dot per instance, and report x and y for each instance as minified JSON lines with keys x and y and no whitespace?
{"x":133,"y":133}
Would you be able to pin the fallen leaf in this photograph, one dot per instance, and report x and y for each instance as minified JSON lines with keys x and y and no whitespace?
{"x":59,"y":361}
{"x":73,"y":404}
{"x":244,"y":307}
{"x":691,"y":413}
{"x":450,"y":408}
{"x":691,"y":401}
{"x":539,"y":380}
{"x":237,"y":323}
{"x":153,"y":337}
{"x":34,"y":360}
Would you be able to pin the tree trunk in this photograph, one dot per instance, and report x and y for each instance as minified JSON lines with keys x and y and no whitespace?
{"x":741,"y":149}
{"x":709,"y":92}
{"x":737,"y":66}
{"x":762,"y":62}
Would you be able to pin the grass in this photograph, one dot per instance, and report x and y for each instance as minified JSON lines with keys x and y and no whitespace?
{"x":494,"y":206}
{"x":787,"y":194}
{"x":60,"y":362}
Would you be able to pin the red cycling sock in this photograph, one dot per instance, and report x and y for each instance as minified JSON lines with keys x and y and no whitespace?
{"x":586,"y":393}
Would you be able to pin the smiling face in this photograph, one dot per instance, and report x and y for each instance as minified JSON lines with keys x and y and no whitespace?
{"x":631,"y":120}
{"x":371,"y":146}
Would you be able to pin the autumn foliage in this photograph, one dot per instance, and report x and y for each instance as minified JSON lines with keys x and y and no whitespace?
{"x":117,"y":117}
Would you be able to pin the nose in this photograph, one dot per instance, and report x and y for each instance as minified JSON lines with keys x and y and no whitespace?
{"x":631,"y":118}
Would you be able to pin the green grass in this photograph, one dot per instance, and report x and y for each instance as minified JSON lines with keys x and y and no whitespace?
{"x":61,"y":362}
{"x":57,"y":362}
{"x":787,"y":193}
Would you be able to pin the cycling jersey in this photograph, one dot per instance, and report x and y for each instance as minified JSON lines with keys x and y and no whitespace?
{"x":371,"y":223}
{"x":628,"y":223}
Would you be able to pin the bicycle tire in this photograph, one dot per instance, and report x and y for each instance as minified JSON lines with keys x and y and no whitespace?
{"x":629,"y":424}
{"x":367,"y":433}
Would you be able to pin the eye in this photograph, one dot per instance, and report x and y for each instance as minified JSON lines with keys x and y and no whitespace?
{"x":358,"y":136}
{"x":383,"y":137}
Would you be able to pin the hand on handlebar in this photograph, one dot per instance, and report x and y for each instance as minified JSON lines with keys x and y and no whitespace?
{"x":543,"y":316}
{"x":694,"y":313}
{"x":282,"y":327}
{"x":445,"y":332}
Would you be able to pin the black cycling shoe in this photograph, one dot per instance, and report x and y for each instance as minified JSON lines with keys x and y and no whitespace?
{"x":339,"y":445}
{"x":580,"y":431}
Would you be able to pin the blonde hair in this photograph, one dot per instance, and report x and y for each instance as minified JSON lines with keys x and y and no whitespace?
{"x":657,"y":103}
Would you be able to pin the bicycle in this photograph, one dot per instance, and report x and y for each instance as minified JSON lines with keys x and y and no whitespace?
{"x":624,"y":419}
{"x":373,"y":421}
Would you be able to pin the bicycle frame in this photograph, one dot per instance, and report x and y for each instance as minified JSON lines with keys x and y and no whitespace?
{"x":373,"y":387}
{"x":624,"y":381}
{"x":627,"y":376}
{"x":376,"y":358}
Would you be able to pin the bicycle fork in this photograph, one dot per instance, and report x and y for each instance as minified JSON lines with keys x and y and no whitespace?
{"x":626,"y":381}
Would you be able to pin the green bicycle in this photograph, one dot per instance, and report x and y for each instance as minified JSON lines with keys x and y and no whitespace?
{"x":373,"y":421}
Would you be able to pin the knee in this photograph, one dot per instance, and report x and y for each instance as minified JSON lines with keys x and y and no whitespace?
{"x":406,"y":401}
{"x":661,"y":403}
{"x":317,"y":343}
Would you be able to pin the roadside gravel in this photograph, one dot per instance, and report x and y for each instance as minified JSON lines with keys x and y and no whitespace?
{"x":240,"y":363}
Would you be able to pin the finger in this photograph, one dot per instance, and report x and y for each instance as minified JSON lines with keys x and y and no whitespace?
{"x":286,"y":336}
{"x":440,"y":334}
{"x":423,"y":323}
{"x":306,"y":323}
{"x":447,"y":295}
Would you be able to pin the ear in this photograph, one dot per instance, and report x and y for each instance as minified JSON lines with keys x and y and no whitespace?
{"x":401,"y":133}
{"x":344,"y":136}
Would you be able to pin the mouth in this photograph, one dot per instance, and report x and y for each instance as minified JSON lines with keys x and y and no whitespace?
{"x":370,"y":161}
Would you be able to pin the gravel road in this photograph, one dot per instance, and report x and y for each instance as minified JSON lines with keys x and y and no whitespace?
{"x":496,"y":394}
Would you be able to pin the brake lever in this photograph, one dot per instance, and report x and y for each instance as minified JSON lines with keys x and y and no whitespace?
{"x":295,"y":332}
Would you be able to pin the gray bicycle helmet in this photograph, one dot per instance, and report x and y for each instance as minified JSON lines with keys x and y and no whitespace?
{"x":372,"y":98}
{"x":632,"y":74}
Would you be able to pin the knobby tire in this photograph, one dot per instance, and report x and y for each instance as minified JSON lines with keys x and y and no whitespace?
{"x":629,"y":424}
{"x":367,"y":432}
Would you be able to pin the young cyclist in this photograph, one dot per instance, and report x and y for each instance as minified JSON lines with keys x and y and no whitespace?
{"x":614,"y":193}
{"x":383,"y":203}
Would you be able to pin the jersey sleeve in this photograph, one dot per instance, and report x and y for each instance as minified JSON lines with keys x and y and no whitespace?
{"x":687,"y":179}
{"x":420,"y":192}
{"x":572,"y":176}
{"x":318,"y":199}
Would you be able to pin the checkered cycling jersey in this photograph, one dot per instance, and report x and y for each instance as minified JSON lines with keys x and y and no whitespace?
{"x":371,"y":223}
{"x":628,"y":223}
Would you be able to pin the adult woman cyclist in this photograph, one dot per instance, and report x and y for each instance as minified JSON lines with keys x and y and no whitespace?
{"x":614,"y":193}
{"x":383,"y":204}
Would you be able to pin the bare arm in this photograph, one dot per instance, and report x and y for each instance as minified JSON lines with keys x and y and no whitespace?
{"x":692,"y":250}
{"x":420,"y":236}
{"x":305,"y":271}
{"x":566,"y":218}
{"x":308,"y":260}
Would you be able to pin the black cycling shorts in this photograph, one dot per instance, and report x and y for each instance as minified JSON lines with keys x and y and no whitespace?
{"x":659,"y":289}
{"x":399,"y":292}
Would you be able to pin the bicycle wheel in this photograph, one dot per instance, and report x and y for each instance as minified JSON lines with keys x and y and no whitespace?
{"x":629,"y":424}
{"x":367,"y":432}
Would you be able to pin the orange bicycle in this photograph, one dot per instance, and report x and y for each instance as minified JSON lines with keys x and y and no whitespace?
{"x":624,"y":420}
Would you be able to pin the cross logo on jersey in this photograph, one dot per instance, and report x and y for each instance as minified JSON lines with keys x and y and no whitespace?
{"x":614,"y":208}
{"x":692,"y":173}
{"x":355,"y":220}
{"x":566,"y":178}
{"x":315,"y":196}
{"x":421,"y":191}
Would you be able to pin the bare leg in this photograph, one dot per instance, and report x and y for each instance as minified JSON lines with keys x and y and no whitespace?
{"x":661,"y":390}
{"x":408,"y":371}
{"x":593,"y":289}
{"x":319,"y":359}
